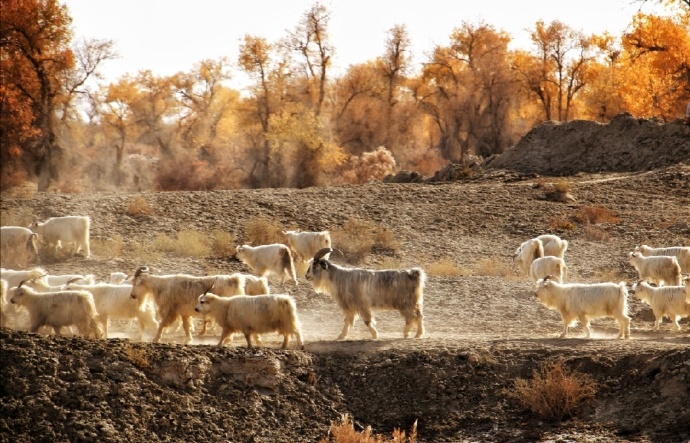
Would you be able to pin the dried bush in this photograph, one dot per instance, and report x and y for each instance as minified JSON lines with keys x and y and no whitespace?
{"x":136,"y":355}
{"x":222,"y":243}
{"x":371,"y":165}
{"x":494,"y":266}
{"x":593,"y":233}
{"x":447,"y":268}
{"x":344,"y":432}
{"x":138,"y":207}
{"x":108,"y":248}
{"x":358,"y":238}
{"x":561,"y":223}
{"x":594,"y":214}
{"x":188,"y":243}
{"x":555,"y":392}
{"x":262,"y":231}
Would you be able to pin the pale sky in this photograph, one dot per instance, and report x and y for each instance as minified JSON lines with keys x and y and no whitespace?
{"x":169,"y":36}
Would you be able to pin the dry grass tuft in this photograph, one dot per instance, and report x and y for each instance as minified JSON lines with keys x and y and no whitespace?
{"x":555,"y":392}
{"x":561,"y":223}
{"x":594,"y":233}
{"x":139,"y":207}
{"x":609,"y":274}
{"x":189,"y":243}
{"x":262,"y":231}
{"x":358,"y":238}
{"x":108,"y":248}
{"x":222,"y":243}
{"x":446,"y":267}
{"x":595,"y":214}
{"x":344,"y":432}
{"x":494,"y":266}
{"x":137,"y":356}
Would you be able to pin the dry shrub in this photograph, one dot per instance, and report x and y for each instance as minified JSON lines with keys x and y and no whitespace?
{"x":138,"y":207}
{"x":494,"y":266}
{"x":108,"y":248}
{"x":262,"y":231}
{"x":447,"y":268}
{"x":593,"y":233}
{"x":358,"y":238}
{"x":554,"y":392}
{"x":137,"y":356}
{"x":188,"y":243}
{"x":371,"y":165}
{"x":16,"y":217}
{"x":222,"y":243}
{"x":144,"y":253}
{"x":594,"y":214}
{"x":344,"y":432}
{"x":609,"y":274}
{"x":561,"y":223}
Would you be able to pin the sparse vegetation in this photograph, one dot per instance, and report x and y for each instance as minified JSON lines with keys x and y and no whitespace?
{"x":446,"y":267}
{"x":595,"y":214}
{"x":222,"y":243}
{"x":188,"y":243}
{"x":561,"y":223}
{"x":594,"y":233}
{"x":136,"y":355}
{"x":107,"y":248}
{"x":494,"y":267}
{"x":554,"y":392}
{"x":358,"y":238}
{"x":262,"y":231}
{"x":139,"y":207}
{"x":344,"y":432}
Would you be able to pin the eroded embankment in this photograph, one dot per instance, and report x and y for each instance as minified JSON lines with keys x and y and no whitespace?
{"x":60,"y":389}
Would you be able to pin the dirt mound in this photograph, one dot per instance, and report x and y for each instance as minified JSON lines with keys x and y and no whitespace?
{"x":624,"y":144}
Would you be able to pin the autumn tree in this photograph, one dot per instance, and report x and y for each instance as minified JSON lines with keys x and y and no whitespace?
{"x":657,"y":57}
{"x":204,"y":103}
{"x":602,"y":98}
{"x":557,"y":70}
{"x":34,"y":44}
{"x":466,"y":89}
{"x":266,"y":68}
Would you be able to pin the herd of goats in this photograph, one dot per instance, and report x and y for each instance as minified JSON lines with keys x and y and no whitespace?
{"x":242,"y":303}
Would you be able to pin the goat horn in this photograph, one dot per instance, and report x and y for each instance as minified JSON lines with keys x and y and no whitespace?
{"x":321,"y":253}
{"x":141,"y":270}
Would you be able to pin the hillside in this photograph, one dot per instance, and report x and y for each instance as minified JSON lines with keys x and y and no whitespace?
{"x":484,"y":327}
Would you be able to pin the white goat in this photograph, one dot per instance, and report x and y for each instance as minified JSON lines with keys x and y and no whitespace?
{"x":268,"y":259}
{"x":682,"y":253}
{"x":549,"y":265}
{"x":18,"y":247}
{"x":58,"y":309}
{"x":14,"y":277}
{"x":119,"y":278}
{"x":254,"y":285}
{"x":542,"y":246}
{"x":177,"y":295}
{"x":59,"y":231}
{"x":4,"y":317}
{"x":665,"y":301}
{"x":576,"y":301}
{"x":115,"y":301}
{"x":659,"y":269}
{"x":253,"y":314}
{"x":360,"y":291}
{"x":304,"y":245}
